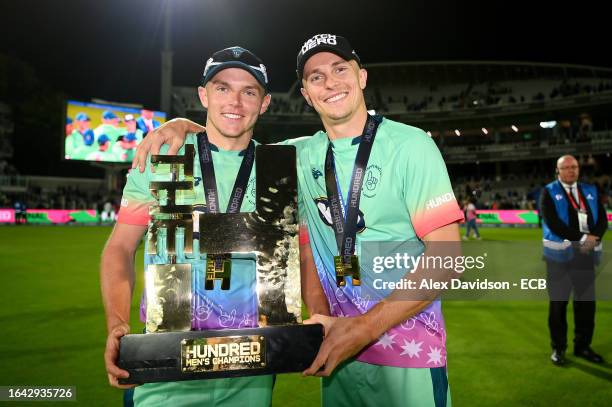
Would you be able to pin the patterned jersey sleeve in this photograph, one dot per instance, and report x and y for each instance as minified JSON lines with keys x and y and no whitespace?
{"x":427,"y":189}
{"x":137,"y":198}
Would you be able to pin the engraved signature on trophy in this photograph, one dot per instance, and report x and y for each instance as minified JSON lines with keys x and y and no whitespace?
{"x":247,"y":321}
{"x":226,"y":320}
{"x":204,"y":310}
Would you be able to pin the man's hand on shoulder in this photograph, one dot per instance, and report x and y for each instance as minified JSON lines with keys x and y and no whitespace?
{"x":172,"y":132}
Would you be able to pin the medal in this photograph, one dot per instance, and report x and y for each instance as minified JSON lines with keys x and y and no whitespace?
{"x":344,"y":222}
{"x":219,"y":265}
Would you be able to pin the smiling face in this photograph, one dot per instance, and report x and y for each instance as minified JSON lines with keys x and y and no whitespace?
{"x":334,"y":87}
{"x":234,"y":100}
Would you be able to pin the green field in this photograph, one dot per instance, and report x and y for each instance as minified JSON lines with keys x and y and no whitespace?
{"x":53,"y":332}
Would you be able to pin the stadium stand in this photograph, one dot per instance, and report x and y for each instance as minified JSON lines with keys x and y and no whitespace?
{"x":55,"y":192}
{"x":499,"y":125}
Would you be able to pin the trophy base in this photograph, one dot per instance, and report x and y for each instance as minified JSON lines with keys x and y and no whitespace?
{"x":213,"y":354}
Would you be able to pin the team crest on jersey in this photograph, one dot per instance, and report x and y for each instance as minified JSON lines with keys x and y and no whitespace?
{"x":371,"y":181}
{"x":316,"y":173}
{"x":196,"y":181}
{"x":325,"y":214}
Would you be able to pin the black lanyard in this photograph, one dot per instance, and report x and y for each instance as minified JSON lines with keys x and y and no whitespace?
{"x":346,"y":228}
{"x":210,"y":183}
{"x":219,"y":266}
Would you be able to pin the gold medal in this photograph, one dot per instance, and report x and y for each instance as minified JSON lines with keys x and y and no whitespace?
{"x":344,"y":269}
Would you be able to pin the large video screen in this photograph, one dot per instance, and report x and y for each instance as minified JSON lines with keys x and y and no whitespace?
{"x":108,"y":133}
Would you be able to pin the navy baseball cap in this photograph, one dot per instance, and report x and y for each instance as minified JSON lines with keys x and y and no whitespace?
{"x":103,"y":139}
{"x":108,"y":115}
{"x":325,"y":43}
{"x":130,"y":137}
{"x":82,"y":117}
{"x":235,"y":57}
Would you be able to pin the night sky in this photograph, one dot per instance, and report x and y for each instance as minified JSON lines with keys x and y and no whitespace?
{"x":111,"y":49}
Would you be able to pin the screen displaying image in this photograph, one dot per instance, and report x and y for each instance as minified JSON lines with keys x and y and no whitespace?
{"x":110,"y":133}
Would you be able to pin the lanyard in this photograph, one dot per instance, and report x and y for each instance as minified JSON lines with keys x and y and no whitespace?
{"x":344,"y":221}
{"x":572,"y":200}
{"x":219,"y":266}
{"x":210,"y":183}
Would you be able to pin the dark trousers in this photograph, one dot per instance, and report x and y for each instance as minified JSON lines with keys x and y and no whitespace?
{"x":471,"y":224}
{"x":575,"y":277}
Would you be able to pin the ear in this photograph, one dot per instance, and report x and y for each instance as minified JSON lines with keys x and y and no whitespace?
{"x":202,"y":93}
{"x":265,"y":103}
{"x":363,"y":78}
{"x":305,"y":94}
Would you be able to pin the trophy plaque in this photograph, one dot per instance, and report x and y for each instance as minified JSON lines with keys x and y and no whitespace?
{"x":180,"y":236}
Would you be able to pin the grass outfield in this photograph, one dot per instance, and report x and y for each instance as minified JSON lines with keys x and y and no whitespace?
{"x":53,"y":332}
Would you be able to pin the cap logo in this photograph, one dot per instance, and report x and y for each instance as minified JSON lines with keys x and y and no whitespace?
{"x":237,"y":52}
{"x":328,"y":39}
{"x":262,"y":69}
{"x":236,"y":59}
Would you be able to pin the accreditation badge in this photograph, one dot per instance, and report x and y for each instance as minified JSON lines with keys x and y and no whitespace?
{"x":583,"y":222}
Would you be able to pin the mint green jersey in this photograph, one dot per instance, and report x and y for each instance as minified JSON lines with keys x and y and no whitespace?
{"x":78,"y":146}
{"x":406,"y":194}
{"x":111,"y":131}
{"x":211,"y":309}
